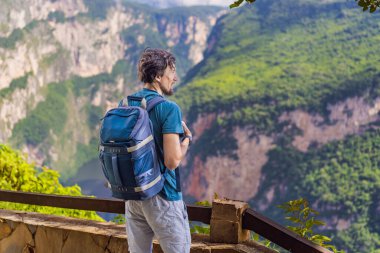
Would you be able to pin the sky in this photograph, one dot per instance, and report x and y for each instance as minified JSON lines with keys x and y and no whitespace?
{"x":171,"y":3}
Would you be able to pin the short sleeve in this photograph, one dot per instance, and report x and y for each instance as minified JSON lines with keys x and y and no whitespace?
{"x":172,"y":122}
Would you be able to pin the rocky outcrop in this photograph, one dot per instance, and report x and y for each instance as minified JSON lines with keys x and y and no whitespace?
{"x":28,"y":56}
{"x":91,"y":47}
{"x":197,"y":35}
{"x":203,"y":123}
{"x":95,"y":46}
{"x":11,"y":110}
{"x":18,"y":13}
{"x":242,"y":175}
{"x":196,"y":32}
{"x":348,"y":117}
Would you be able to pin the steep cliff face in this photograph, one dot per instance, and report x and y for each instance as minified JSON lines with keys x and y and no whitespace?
{"x":94,"y":55}
{"x":196,"y":32}
{"x":237,"y":178}
{"x":18,"y":13}
{"x":349,"y":117}
{"x":93,"y":46}
{"x":243,"y":175}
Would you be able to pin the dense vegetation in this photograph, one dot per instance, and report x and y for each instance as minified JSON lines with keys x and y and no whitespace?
{"x":57,"y":16}
{"x":18,"y":83}
{"x":19,"y":175}
{"x":341,"y":178}
{"x":10,"y":41}
{"x":265,"y":61}
{"x":277,"y":56}
{"x":97,"y":9}
{"x":17,"y":35}
{"x":299,"y":60}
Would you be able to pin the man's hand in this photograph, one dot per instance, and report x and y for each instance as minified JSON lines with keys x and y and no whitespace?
{"x":186,"y":129}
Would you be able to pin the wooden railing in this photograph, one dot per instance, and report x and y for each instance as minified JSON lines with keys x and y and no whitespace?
{"x":251,"y":220}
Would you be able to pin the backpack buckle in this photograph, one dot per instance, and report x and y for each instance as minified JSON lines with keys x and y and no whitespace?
{"x":143,"y":103}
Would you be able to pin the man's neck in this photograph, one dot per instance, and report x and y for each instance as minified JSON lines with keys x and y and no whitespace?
{"x":153,"y":86}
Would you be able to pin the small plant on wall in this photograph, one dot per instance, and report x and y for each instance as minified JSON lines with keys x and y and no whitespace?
{"x":304,"y":219}
{"x":298,"y":212}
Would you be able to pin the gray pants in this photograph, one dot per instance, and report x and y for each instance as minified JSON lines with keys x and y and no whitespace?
{"x":166,"y":220}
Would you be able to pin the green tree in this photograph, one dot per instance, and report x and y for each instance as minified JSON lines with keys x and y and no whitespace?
{"x":19,"y":175}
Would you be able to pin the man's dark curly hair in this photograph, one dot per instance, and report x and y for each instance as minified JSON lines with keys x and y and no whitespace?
{"x":153,"y":62}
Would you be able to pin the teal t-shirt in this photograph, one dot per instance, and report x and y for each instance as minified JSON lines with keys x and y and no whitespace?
{"x":166,"y":118}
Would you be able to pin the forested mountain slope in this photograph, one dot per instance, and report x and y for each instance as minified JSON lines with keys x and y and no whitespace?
{"x":286,"y":104}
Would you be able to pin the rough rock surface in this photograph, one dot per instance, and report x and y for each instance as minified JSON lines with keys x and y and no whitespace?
{"x":19,"y":240}
{"x":347,"y":117}
{"x":53,"y":234}
{"x":218,"y":172}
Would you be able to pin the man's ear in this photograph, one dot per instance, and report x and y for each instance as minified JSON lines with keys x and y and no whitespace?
{"x":158,"y":79}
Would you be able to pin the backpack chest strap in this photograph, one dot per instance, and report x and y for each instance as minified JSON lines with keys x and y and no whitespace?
{"x":126,"y":150}
{"x":120,"y":188}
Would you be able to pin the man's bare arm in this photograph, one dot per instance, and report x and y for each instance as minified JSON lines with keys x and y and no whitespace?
{"x":174,"y":150}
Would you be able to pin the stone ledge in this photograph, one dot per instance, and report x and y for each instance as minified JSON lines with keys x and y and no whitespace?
{"x":39,"y":233}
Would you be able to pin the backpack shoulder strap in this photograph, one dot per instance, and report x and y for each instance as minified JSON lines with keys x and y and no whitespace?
{"x":154,"y":101}
{"x":146,"y":105}
{"x":125,"y":101}
{"x":150,"y":105}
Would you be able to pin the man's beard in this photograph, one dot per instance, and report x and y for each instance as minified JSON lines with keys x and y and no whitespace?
{"x":167,"y":92}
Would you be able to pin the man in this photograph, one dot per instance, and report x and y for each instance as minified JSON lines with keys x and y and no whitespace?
{"x":164,"y":215}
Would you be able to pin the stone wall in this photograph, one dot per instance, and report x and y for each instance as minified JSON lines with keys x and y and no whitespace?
{"x":23,"y":232}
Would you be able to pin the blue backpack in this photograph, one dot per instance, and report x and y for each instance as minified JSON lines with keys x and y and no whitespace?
{"x":127,"y":151}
